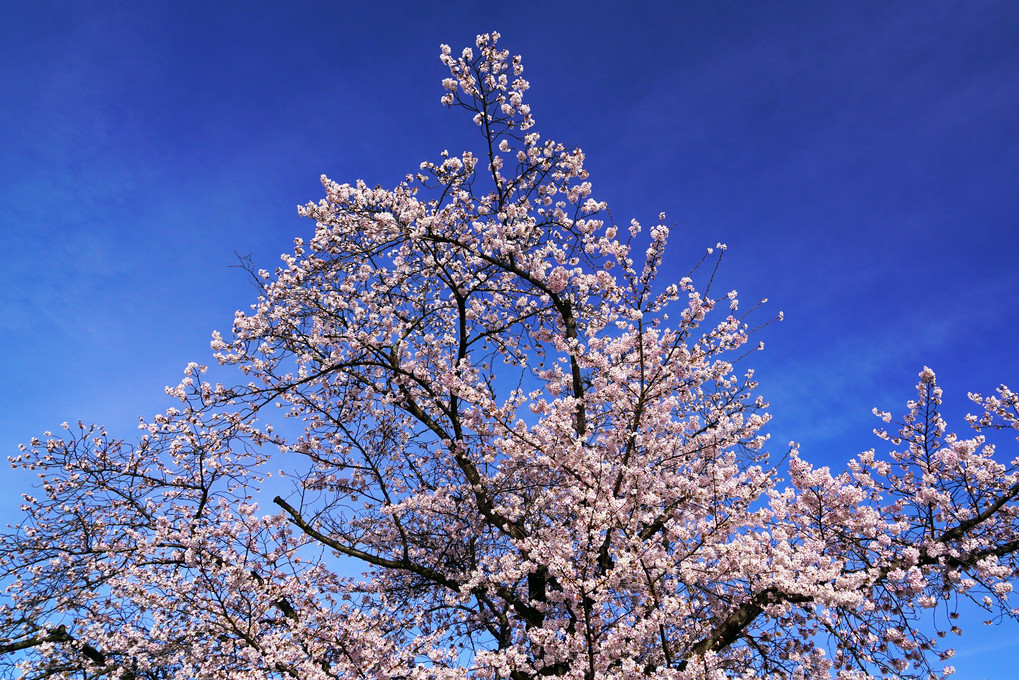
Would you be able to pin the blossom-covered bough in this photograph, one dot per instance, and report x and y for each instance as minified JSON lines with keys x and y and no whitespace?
{"x":540,"y":456}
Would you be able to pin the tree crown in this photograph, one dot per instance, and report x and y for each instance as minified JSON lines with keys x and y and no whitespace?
{"x":543,"y":459}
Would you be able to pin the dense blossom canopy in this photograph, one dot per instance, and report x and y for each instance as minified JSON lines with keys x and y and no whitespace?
{"x":541,"y":456}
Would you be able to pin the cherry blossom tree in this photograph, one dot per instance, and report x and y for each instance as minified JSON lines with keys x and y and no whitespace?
{"x":542,"y":458}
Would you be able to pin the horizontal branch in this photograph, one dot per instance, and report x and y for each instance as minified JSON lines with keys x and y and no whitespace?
{"x":376,"y":560}
{"x":58,"y":634}
{"x":529,"y":613}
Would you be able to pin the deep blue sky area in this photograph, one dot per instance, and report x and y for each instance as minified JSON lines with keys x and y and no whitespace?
{"x":860,"y":159}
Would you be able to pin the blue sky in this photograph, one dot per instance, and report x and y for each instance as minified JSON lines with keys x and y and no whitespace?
{"x":861,"y":160}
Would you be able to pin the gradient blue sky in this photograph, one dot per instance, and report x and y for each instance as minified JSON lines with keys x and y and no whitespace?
{"x":860,"y":159}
